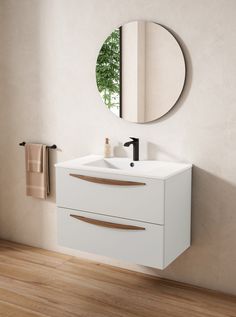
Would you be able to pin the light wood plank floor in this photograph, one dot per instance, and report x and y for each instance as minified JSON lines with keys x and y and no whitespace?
{"x":36,"y":282}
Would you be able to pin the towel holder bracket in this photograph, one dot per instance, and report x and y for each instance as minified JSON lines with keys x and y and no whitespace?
{"x":48,"y":147}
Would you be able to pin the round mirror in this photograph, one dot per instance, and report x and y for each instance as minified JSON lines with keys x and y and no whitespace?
{"x":140,"y":71}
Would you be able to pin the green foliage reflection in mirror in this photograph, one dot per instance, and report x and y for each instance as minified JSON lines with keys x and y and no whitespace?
{"x":108,"y":72}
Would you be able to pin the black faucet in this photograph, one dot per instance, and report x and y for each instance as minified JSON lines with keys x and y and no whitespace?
{"x":135,"y":144}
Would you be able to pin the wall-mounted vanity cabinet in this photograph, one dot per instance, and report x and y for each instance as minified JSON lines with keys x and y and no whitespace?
{"x":138,"y":214}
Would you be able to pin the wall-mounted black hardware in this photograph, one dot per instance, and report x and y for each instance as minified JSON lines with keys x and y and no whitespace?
{"x":135,"y":144}
{"x":48,"y":147}
{"x":131,"y":164}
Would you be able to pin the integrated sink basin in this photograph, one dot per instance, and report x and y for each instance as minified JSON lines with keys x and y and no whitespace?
{"x":125,"y":166}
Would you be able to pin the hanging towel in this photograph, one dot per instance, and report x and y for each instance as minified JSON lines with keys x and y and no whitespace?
{"x":34,"y":157}
{"x":37,"y":172}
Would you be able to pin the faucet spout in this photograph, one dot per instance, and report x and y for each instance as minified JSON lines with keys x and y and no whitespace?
{"x":127,"y":144}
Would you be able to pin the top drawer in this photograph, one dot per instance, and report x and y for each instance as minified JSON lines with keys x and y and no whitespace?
{"x":111,"y":195}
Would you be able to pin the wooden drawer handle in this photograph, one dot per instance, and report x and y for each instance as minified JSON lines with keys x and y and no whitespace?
{"x":106,"y":223}
{"x":107,"y":181}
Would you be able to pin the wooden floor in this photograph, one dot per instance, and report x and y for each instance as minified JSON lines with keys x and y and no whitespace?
{"x":35,"y":282}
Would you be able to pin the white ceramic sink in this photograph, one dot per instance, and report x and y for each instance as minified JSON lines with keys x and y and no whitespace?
{"x":123,"y":164}
{"x":118,"y":165}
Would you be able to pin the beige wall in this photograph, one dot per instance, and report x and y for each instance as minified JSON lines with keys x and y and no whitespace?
{"x":48,"y":94}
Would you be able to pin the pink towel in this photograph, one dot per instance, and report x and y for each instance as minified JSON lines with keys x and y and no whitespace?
{"x":37,"y":173}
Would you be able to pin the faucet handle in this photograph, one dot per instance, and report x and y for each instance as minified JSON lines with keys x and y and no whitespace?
{"x":134,"y":139}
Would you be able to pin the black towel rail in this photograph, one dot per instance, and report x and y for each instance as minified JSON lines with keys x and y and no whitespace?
{"x":48,"y":147}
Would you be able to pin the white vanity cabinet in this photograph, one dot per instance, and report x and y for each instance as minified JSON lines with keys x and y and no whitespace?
{"x":125,"y":214}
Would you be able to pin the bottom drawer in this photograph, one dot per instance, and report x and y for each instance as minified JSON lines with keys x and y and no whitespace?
{"x":132,"y":241}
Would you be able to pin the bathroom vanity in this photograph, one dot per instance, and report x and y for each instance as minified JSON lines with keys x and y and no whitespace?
{"x":139,"y":213}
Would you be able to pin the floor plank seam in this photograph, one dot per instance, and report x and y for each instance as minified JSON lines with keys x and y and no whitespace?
{"x":52,"y":285}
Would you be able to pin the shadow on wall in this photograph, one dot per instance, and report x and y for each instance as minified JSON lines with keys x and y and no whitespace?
{"x":52,"y":175}
{"x":150,"y":151}
{"x":157,"y":152}
{"x":119,"y":150}
{"x":213,"y":235}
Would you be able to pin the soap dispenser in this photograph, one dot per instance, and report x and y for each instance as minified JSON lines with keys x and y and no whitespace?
{"x":107,"y":148}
